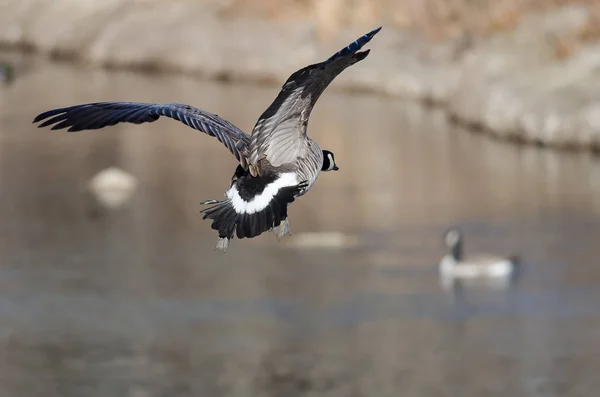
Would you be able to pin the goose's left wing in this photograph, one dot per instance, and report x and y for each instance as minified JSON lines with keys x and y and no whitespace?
{"x":280,"y":133}
{"x":92,"y":116}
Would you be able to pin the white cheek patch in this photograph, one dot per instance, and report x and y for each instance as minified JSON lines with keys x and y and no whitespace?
{"x":261,"y":201}
{"x":331,"y":162}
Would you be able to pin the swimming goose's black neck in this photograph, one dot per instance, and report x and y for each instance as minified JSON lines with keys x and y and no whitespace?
{"x":456,"y":251}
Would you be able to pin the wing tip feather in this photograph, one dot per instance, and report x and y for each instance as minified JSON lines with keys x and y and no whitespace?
{"x":356,"y":45}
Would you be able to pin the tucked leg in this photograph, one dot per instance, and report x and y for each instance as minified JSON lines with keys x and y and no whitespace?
{"x":222,"y":244}
{"x":284,"y":229}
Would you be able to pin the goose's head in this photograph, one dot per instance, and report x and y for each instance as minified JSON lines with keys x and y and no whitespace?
{"x":453,"y":241}
{"x":329,"y":161}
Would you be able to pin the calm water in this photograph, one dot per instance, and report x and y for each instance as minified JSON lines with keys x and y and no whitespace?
{"x":136,"y":302}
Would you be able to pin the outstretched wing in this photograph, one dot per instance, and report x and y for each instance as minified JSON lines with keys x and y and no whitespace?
{"x":280,"y":133}
{"x":93,"y":116}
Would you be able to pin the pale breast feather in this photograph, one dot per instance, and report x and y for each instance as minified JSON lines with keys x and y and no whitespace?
{"x":309,"y":167}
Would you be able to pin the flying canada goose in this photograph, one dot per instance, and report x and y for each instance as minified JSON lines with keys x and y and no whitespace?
{"x":277,"y":161}
{"x":455,"y":266}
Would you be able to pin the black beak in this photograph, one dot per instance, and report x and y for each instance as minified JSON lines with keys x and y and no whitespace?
{"x":335,"y":168}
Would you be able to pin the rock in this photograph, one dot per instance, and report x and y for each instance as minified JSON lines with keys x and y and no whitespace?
{"x":113,"y":187}
{"x":515,"y":86}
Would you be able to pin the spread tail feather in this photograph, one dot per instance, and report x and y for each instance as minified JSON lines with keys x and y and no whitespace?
{"x":228,"y":223}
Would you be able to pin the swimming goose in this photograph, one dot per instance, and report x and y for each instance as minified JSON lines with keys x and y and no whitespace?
{"x":455,"y":266}
{"x":277,"y":161}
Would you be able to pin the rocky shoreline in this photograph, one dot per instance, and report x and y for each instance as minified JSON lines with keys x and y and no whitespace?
{"x":538,"y":82}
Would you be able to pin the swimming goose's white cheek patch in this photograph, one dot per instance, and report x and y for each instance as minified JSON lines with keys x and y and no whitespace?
{"x":261,"y":201}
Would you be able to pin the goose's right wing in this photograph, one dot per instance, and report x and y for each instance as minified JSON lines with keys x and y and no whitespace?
{"x":280,"y":133}
{"x":97,"y":115}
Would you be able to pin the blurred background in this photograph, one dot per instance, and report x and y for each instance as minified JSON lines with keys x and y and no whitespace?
{"x":476,"y":113}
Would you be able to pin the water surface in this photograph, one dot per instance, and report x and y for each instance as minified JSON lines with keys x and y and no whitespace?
{"x":136,"y":302}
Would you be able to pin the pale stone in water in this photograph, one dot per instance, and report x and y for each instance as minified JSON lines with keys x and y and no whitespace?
{"x":322,"y":240}
{"x":113,"y":187}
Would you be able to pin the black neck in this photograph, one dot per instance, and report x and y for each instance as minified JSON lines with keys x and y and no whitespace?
{"x":456,"y":251}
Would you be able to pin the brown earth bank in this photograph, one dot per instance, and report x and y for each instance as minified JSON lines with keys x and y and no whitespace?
{"x":523,"y":70}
